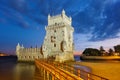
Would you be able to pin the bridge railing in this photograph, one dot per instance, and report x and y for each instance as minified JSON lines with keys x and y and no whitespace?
{"x":81,"y":73}
{"x":77,"y":71}
{"x":52,"y":72}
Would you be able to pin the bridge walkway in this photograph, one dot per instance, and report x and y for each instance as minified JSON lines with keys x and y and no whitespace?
{"x":51,"y":70}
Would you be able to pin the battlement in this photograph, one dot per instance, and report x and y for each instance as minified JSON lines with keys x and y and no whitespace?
{"x":55,"y":26}
{"x":31,"y":49}
{"x":24,"y":50}
{"x":59,"y":18}
{"x":28,"y":54}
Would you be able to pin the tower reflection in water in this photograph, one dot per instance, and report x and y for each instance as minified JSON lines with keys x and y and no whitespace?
{"x":7,"y":70}
{"x":24,"y":71}
{"x":19,"y":71}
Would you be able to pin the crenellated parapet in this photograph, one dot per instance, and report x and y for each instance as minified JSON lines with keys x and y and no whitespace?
{"x":55,"y":26}
{"x":31,"y":49}
{"x":28,"y":54}
{"x":59,"y":18}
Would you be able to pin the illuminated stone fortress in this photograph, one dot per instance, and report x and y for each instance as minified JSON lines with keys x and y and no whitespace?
{"x":58,"y":41}
{"x":28,"y":54}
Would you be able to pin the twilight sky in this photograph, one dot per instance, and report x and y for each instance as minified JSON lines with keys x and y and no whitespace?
{"x":96,"y":22}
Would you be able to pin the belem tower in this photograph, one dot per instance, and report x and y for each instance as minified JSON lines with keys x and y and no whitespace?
{"x":58,"y":41}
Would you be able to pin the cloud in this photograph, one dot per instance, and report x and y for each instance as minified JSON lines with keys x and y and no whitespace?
{"x":86,"y":14}
{"x":100,"y":18}
{"x":111,"y":24}
{"x":81,"y":42}
{"x":19,"y":13}
{"x":93,"y":20}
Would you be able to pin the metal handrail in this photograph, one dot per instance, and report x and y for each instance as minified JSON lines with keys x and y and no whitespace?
{"x":102,"y":78}
{"x":55,"y":71}
{"x":44,"y":63}
{"x":69,"y":68}
{"x":57,"y":68}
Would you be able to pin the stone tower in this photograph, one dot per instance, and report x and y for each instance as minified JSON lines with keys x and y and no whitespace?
{"x":58,"y":41}
{"x":18,"y":48}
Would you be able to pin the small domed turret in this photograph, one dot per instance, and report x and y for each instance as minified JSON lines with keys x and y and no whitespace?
{"x":48,"y":16}
{"x":18,"y":46}
{"x":63,"y":11}
{"x":22,"y":46}
{"x":70,"y":18}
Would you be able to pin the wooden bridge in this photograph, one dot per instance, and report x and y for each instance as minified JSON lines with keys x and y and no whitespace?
{"x":50,"y":70}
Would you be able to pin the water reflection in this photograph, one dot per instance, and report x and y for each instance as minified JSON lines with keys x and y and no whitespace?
{"x":24,"y":71}
{"x":11,"y":70}
{"x":19,"y":71}
{"x":7,"y":71}
{"x":38,"y":74}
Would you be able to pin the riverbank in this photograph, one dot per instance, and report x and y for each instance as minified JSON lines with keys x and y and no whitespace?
{"x":109,"y":70}
{"x":5,"y":59}
{"x":100,"y":57}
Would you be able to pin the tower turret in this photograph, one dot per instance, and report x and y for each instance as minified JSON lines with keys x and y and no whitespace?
{"x":48,"y":16}
{"x":63,"y":12}
{"x":22,"y":46}
{"x":18,"y":47}
{"x":70,"y":18}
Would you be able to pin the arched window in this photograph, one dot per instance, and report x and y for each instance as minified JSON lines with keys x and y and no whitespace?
{"x":55,"y":23}
{"x":63,"y":46}
{"x":54,"y":30}
{"x":54,"y":45}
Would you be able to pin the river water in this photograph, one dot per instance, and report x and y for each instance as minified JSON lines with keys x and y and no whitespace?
{"x":25,"y":71}
{"x":22,"y":71}
{"x":17,"y":71}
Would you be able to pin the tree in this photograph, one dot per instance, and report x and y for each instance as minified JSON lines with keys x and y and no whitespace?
{"x":117,"y":48}
{"x":110,"y":52}
{"x":102,"y":51}
{"x":91,"y":52}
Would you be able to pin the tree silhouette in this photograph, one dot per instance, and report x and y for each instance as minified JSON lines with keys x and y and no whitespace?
{"x":91,"y":52}
{"x":110,"y":52}
{"x":102,"y":51}
{"x":117,"y":48}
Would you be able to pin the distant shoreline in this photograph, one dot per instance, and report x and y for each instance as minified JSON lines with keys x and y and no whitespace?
{"x":4,"y":59}
{"x":100,"y":57}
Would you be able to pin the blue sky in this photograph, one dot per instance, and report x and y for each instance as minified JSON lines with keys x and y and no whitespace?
{"x":96,"y":22}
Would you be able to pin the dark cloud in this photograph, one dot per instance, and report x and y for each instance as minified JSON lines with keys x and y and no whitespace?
{"x":99,"y":17}
{"x":111,"y":26}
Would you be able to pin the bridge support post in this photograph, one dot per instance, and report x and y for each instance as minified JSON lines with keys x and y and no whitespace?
{"x":47,"y":78}
{"x":78,"y":72}
{"x":40,"y":71}
{"x":44,"y":74}
{"x":72,"y":70}
{"x":53,"y":77}
{"x":88,"y":75}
